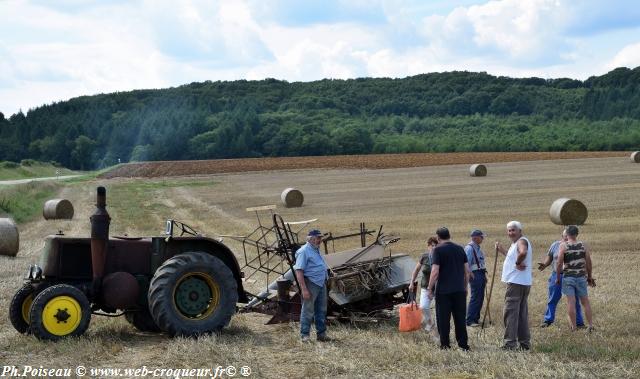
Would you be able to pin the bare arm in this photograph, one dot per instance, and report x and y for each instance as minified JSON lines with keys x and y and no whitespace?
{"x":523,"y":248}
{"x":560,"y":264}
{"x":414,"y":276}
{"x":545,"y":264}
{"x":587,"y":257}
{"x":501,"y":248}
{"x":303,"y":286}
{"x":435,"y":272}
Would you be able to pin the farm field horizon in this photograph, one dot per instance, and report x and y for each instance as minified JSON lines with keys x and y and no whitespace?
{"x":410,"y":202}
{"x":154,"y":169}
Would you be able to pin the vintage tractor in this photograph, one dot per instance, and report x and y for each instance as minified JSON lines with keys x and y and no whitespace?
{"x":181,"y":285}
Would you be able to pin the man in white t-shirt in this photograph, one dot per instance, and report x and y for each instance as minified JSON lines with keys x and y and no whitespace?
{"x":517,"y":274}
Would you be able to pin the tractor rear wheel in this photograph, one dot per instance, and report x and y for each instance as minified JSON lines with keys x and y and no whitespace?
{"x":142,"y":321}
{"x":59,"y":311}
{"x":20,"y":308}
{"x":191,"y":294}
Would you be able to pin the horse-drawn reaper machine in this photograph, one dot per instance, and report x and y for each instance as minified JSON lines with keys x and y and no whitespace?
{"x":363,"y":281}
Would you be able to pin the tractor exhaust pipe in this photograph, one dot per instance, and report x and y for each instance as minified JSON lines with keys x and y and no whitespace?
{"x":99,"y":238}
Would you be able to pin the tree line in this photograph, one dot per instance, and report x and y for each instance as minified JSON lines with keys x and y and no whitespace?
{"x":437,"y":112}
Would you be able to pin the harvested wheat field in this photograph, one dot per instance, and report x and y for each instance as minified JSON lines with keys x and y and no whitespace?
{"x":410,"y":202}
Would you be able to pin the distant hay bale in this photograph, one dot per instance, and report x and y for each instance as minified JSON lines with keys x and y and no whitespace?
{"x":9,"y":237}
{"x":478,"y":170}
{"x":565,"y":211}
{"x":635,"y":157}
{"x":58,"y":209}
{"x":292,"y":198}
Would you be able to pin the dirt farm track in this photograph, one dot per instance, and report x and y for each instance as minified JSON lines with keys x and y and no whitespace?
{"x":411,"y":195}
{"x":373,"y":161}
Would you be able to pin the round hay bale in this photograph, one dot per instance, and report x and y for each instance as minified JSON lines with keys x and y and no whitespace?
{"x":565,"y":211}
{"x":9,"y":237}
{"x":478,"y":170}
{"x":292,"y":198}
{"x":58,"y":209}
{"x":635,"y":157}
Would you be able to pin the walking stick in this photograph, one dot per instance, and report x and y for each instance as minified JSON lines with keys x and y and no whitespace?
{"x":487,"y":309}
{"x":493,"y":277}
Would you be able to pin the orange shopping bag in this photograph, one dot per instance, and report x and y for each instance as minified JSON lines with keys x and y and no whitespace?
{"x":410,"y":315}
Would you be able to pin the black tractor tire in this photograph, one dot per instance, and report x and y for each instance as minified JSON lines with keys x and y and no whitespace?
{"x":58,"y":312}
{"x":191,"y":294}
{"x":20,"y":308}
{"x":142,"y":321}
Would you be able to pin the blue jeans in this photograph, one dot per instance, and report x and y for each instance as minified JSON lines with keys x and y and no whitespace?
{"x":555,"y":293}
{"x":576,"y":287}
{"x":314,"y":308}
{"x":477,"y":296}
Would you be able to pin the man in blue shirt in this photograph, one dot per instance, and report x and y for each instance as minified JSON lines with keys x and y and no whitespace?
{"x":478,"y":279}
{"x":311,"y":272}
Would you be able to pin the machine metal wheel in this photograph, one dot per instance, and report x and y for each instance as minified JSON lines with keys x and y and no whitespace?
{"x":59,"y":311}
{"x":20,"y":308}
{"x":142,"y":321}
{"x":191,"y":294}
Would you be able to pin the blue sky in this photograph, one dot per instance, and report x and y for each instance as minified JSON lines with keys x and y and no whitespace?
{"x":55,"y":50}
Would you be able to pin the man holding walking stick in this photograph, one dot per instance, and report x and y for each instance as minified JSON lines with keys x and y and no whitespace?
{"x":517,"y":274}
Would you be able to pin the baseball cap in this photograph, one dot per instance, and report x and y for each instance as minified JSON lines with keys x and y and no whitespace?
{"x":477,"y":233}
{"x":314,"y":233}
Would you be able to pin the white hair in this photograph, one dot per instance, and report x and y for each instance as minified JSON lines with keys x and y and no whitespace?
{"x":514,"y":224}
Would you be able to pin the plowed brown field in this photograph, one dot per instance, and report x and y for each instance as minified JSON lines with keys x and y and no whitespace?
{"x":373,"y":161}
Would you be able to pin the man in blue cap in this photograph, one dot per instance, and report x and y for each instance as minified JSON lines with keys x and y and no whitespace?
{"x":311,"y":272}
{"x":478,"y":279}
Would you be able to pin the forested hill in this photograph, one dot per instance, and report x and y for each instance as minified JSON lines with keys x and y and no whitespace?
{"x":439,"y":112}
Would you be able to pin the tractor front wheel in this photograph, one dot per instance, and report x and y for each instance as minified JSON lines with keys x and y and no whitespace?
{"x":59,"y":311}
{"x":191,"y":294}
{"x":20,"y":308}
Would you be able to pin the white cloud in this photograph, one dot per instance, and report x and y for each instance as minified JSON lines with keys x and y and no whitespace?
{"x":51,"y":51}
{"x":523,"y":32}
{"x":316,"y":52}
{"x":629,"y":56}
{"x":107,"y":48}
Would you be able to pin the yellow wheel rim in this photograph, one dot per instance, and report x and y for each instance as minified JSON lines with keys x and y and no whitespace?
{"x":26,"y":307}
{"x":61,"y":315}
{"x":196,"y":295}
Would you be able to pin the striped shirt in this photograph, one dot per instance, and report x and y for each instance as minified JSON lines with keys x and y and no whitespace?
{"x":575,"y":262}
